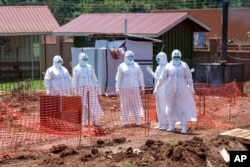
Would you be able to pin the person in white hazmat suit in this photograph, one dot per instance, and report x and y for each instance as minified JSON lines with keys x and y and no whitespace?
{"x":84,"y":83}
{"x":129,"y":86}
{"x":57,"y":79}
{"x":160,"y":97}
{"x":180,"y":104}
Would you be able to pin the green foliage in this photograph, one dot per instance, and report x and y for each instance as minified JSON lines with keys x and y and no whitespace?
{"x":247,"y":91}
{"x":22,"y":86}
{"x":64,"y":11}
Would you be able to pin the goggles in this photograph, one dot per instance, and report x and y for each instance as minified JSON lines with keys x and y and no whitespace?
{"x":176,"y":57}
{"x":59,"y":62}
{"x":85,"y":59}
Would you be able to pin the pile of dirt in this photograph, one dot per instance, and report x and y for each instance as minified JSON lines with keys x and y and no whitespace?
{"x":120,"y":152}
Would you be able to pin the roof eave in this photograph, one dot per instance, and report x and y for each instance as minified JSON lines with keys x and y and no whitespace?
{"x":144,"y":37}
{"x":141,"y":36}
{"x":25,"y":33}
{"x":206,"y":28}
{"x":187,"y":16}
{"x":71,"y":33}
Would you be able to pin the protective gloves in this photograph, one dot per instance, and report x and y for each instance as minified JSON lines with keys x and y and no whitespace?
{"x":191,"y":88}
{"x":150,"y":71}
{"x":154,"y":92}
{"x":117,"y":91}
{"x":142,"y":90}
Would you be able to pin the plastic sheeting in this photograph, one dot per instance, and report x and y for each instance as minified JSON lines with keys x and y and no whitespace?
{"x":105,"y":64}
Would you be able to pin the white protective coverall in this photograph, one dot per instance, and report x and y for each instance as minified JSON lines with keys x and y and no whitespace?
{"x":57,"y":79}
{"x":83,"y":81}
{"x":180,"y":104}
{"x":129,"y":85}
{"x":160,"y":96}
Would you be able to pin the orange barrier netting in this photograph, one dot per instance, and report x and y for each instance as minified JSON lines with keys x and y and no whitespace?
{"x":218,"y":105}
{"x":28,"y":120}
{"x":32,"y":121}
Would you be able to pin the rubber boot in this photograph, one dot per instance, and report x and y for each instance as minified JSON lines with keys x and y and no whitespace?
{"x":163,"y":127}
{"x":124,"y":121}
{"x":96,"y":122}
{"x":157,"y":126}
{"x":183,"y":127}
{"x":137,"y":121}
{"x":171,"y":127}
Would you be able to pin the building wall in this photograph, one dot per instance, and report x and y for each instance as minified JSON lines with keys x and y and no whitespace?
{"x":234,"y":55}
{"x":213,"y":19}
{"x":51,"y":50}
{"x":208,"y":55}
{"x":17,"y":59}
{"x":178,"y":39}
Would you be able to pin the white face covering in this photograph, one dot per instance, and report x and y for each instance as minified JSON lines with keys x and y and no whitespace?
{"x":83,"y":59}
{"x":176,"y":57}
{"x":161,"y":58}
{"x":129,"y":57}
{"x":57,"y":61}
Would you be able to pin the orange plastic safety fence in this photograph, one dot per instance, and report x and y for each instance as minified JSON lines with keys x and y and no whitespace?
{"x":218,"y":105}
{"x":31,"y":121}
{"x":86,"y":115}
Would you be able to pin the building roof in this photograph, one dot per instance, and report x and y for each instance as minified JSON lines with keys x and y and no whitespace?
{"x":26,"y":20}
{"x":143,"y":24}
{"x":238,"y":21}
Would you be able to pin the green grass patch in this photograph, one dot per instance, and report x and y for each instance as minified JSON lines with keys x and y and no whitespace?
{"x":24,"y":85}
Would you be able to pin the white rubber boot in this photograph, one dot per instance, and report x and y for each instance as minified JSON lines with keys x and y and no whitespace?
{"x":163,"y":127}
{"x":137,"y":121}
{"x":157,"y":126}
{"x":183,"y":127}
{"x":171,"y":127}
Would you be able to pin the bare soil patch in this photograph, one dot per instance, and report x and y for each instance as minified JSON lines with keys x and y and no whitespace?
{"x":198,"y":148}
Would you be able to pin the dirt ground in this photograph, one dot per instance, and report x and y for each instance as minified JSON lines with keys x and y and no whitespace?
{"x":197,"y":148}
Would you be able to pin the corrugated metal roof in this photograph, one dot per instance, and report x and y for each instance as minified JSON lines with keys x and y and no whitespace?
{"x":238,"y":24}
{"x":26,"y":20}
{"x":145,"y":24}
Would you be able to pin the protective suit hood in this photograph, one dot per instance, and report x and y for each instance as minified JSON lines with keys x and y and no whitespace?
{"x":83,"y":59}
{"x":161,"y":58}
{"x":57,"y":61}
{"x":176,"y":57}
{"x":129,"y":57}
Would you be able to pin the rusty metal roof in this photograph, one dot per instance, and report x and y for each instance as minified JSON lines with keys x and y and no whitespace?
{"x":145,"y":24}
{"x":238,"y":24}
{"x":26,"y":20}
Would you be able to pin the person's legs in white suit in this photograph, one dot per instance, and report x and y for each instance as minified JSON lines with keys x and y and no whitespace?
{"x":171,"y":127}
{"x":183,"y":127}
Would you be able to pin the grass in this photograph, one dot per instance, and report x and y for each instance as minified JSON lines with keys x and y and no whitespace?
{"x":246,"y":91}
{"x":24,"y":85}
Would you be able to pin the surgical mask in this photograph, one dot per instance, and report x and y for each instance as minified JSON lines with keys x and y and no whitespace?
{"x":158,"y":60}
{"x":59,"y":62}
{"x":131,"y":58}
{"x":176,"y":58}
